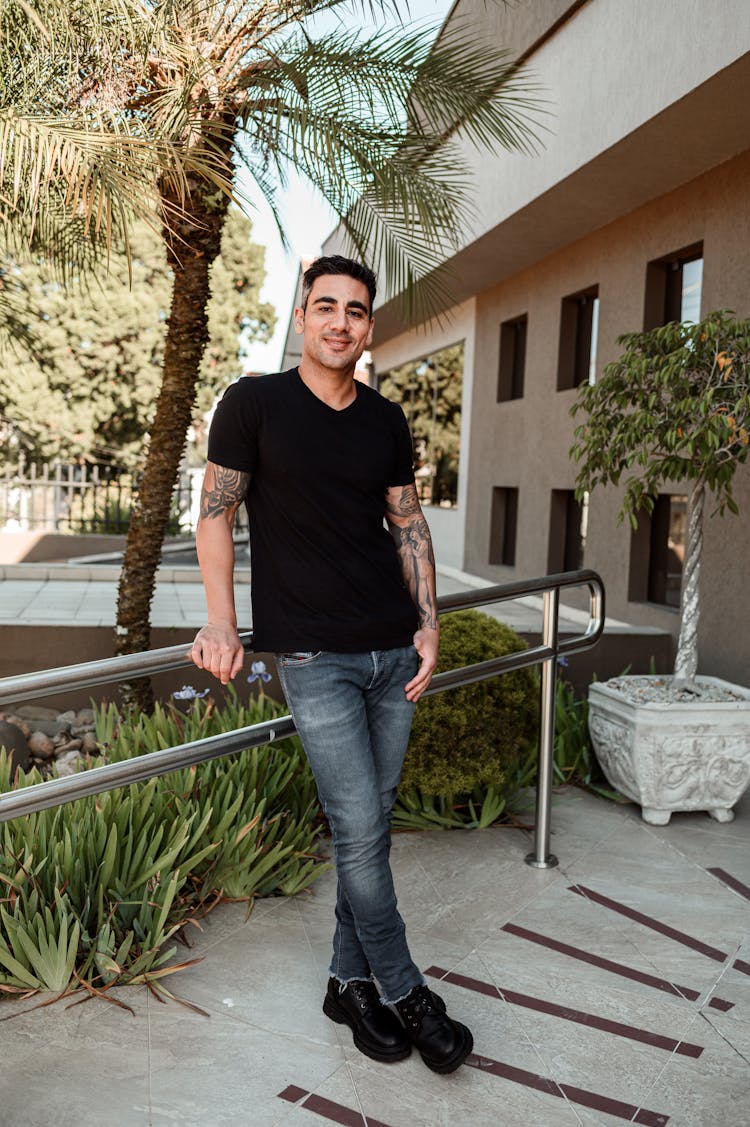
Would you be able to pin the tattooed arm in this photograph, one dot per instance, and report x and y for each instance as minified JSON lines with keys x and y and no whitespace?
{"x":217,"y":646}
{"x":411,"y":536}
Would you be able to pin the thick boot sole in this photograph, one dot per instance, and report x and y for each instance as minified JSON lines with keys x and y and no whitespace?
{"x":457,"y":1058}
{"x":374,"y":1052}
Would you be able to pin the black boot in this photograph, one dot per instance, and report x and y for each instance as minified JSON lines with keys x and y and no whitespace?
{"x":377,"y":1031}
{"x":442,"y":1043}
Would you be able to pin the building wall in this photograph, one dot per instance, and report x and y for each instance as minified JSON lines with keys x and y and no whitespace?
{"x":632,"y":100}
{"x":524,"y":443}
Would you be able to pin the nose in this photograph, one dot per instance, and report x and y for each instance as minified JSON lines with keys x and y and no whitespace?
{"x":338,"y":318}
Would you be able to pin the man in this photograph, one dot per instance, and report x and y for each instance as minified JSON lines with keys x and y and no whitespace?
{"x":349,"y":612}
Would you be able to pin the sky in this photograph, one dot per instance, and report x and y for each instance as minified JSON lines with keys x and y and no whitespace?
{"x":307,"y":221}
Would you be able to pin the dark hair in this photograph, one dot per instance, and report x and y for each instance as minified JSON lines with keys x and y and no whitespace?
{"x":337,"y":264}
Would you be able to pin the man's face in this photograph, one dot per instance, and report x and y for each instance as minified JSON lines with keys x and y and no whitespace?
{"x":336,"y":325}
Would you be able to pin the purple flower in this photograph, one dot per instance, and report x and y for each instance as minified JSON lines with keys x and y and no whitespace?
{"x":563,"y":661}
{"x":258,"y":672}
{"x":187,"y":692}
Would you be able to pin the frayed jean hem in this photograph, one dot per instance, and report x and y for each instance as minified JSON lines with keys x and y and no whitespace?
{"x":395,"y":1001}
{"x":355,"y":978}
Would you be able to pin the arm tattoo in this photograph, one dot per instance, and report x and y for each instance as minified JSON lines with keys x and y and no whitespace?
{"x":414,"y":546}
{"x":406,"y":505}
{"x":223,"y":490}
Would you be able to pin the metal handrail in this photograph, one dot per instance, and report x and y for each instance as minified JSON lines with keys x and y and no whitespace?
{"x":54,"y":792}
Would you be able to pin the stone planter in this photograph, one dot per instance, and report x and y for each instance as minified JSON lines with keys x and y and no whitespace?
{"x":677,"y":755}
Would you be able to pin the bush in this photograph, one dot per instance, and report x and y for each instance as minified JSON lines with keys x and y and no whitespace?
{"x":467,"y":743}
{"x":95,"y":889}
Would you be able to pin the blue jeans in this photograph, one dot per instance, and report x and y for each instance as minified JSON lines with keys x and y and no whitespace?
{"x":354,"y":720}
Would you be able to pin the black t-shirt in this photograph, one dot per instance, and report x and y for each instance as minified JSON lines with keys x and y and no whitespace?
{"x":325,"y":572}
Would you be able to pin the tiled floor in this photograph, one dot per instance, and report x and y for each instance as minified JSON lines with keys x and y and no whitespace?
{"x":627,"y":1000}
{"x":38,"y":594}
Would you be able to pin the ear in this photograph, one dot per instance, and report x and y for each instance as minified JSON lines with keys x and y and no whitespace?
{"x":299,"y":319}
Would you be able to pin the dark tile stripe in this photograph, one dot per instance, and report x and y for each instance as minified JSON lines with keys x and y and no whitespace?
{"x":741,"y":965}
{"x":593,"y":1021}
{"x":648,"y":921}
{"x":614,"y":968}
{"x":576,"y":1095}
{"x":293,"y":1094}
{"x":328,"y":1109}
{"x":730,"y":881}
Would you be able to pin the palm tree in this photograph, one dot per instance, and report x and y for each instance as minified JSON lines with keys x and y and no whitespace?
{"x":215,"y":85}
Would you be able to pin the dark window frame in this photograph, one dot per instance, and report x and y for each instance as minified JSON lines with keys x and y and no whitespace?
{"x":663,"y":296}
{"x":512,"y":362}
{"x":576,"y":338}
{"x":565,"y":547}
{"x":503,"y":526}
{"x":654,"y":577}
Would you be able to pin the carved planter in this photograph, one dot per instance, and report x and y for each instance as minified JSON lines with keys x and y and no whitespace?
{"x":667,"y":756}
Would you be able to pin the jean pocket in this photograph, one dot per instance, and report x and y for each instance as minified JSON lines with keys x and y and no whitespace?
{"x":297,"y":659}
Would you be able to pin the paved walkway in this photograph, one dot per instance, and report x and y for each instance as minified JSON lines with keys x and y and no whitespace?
{"x":85,"y":594}
{"x":613,"y":989}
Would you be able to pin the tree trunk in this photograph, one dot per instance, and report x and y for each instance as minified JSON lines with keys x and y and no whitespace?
{"x":187,"y":333}
{"x":686,"y":662}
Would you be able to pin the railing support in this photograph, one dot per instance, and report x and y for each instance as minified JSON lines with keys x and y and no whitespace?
{"x":54,"y":792}
{"x":541,"y":858}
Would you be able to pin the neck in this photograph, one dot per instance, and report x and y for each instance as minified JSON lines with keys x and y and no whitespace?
{"x":336,"y":389}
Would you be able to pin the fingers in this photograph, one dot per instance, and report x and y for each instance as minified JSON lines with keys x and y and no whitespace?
{"x":421,"y":681}
{"x":219,"y":654}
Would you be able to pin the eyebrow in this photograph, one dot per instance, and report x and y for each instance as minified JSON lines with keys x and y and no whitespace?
{"x":349,"y":305}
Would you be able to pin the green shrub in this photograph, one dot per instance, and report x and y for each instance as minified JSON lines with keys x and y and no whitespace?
{"x":467,"y":743}
{"x":94,"y":890}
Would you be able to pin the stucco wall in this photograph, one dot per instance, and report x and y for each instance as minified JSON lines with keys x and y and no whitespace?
{"x":524,"y":443}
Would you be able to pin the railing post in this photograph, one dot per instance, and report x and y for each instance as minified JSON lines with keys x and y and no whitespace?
{"x":541,"y":858}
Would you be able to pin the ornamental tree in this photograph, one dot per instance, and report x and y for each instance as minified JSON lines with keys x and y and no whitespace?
{"x":674,"y":408}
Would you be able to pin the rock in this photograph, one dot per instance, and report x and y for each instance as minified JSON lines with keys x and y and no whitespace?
{"x":68,"y":763}
{"x":85,"y":716}
{"x":41,"y":746}
{"x":69,"y":745}
{"x":69,"y":717}
{"x":89,"y":746}
{"x":81,"y":729}
{"x":50,"y":727}
{"x":60,"y":738}
{"x":33,"y":712}
{"x":14,"y":741}
{"x":19,"y":723}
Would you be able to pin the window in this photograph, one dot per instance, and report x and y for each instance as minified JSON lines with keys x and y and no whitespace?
{"x":673,"y":287}
{"x":579,"y":326}
{"x":657,"y":552}
{"x":566,"y":532}
{"x":512,"y":359}
{"x":503,"y":526}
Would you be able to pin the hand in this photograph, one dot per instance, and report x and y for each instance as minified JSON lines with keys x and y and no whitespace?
{"x":426,"y":643}
{"x":218,"y":649}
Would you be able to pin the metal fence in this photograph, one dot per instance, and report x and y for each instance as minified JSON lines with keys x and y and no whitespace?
{"x":81,"y":497}
{"x":29,"y":686}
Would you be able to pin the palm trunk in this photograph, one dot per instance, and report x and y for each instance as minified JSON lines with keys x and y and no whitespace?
{"x":186,"y":338}
{"x":686,"y":662}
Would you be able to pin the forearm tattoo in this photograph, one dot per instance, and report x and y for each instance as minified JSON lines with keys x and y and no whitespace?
{"x":406,"y":505}
{"x":414,"y":546}
{"x":223,"y":490}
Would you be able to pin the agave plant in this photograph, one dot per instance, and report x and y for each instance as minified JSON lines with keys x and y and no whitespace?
{"x":93,"y":894}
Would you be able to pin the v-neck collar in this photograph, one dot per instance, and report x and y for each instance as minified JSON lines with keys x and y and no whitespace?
{"x":326,"y":406}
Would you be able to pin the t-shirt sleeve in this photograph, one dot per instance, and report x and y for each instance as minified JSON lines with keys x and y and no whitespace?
{"x":233,"y":434}
{"x":402,"y":472}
